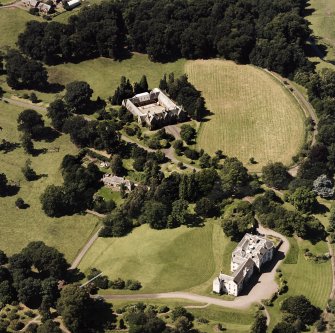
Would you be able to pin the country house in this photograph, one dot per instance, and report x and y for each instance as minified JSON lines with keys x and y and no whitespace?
{"x":251,"y":253}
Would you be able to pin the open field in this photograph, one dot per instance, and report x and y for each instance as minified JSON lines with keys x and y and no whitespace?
{"x":305,"y":278}
{"x":12,"y":23}
{"x":253,"y":116}
{"x":18,"y":227}
{"x":164,"y":260}
{"x":104,"y":74}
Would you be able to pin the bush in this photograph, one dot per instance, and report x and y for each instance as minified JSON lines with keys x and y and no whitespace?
{"x":163,"y":309}
{"x":133,"y":285}
{"x":117,"y":284}
{"x":19,"y":203}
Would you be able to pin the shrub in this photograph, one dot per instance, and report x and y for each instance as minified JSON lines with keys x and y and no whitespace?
{"x":133,"y":285}
{"x":117,"y":284}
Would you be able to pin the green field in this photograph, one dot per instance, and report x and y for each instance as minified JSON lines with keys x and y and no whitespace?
{"x":253,"y":115}
{"x":164,"y":260}
{"x":306,"y":278}
{"x":18,"y":227}
{"x":104,"y":74}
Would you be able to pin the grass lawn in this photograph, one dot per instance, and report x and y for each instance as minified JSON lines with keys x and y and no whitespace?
{"x":12,"y":23}
{"x":104,"y":74}
{"x":18,"y":227}
{"x":164,"y":260}
{"x":253,"y":115}
{"x":306,"y":278}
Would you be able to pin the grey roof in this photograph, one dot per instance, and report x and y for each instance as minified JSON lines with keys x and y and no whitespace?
{"x":240,"y":273}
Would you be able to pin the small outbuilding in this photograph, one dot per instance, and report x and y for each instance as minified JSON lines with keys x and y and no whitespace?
{"x":68,"y":5}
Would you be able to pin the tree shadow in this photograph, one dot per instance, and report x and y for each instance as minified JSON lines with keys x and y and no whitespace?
{"x":37,"y":152}
{"x":54,"y":88}
{"x":195,"y":221}
{"x":320,"y":208}
{"x":10,"y":191}
{"x":7,"y":147}
{"x":74,"y":275}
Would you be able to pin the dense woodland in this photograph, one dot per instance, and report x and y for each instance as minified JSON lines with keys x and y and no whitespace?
{"x":266,"y":33}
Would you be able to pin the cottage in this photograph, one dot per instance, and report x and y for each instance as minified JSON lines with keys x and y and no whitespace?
{"x":116,"y":182}
{"x":44,"y":8}
{"x":251,"y":253}
{"x":154,"y":109}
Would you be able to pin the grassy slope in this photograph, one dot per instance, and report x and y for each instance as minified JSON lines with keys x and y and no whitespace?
{"x":12,"y":22}
{"x":253,"y":115}
{"x":18,"y":227}
{"x":104,"y":74}
{"x":165,"y":260}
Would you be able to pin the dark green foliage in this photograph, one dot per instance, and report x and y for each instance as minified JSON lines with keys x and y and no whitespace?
{"x":78,"y":96}
{"x":101,"y":206}
{"x":283,"y":327}
{"x":33,"y":97}
{"x":180,"y":311}
{"x":123,"y":91}
{"x":27,"y":143}
{"x":155,"y":214}
{"x":28,"y":172}
{"x":58,"y":112}
{"x":101,"y":281}
{"x":259,"y":325}
{"x":179,"y":214}
{"x":237,"y":224}
{"x":205,"y":207}
{"x":19,"y":203}
{"x":303,"y":199}
{"x":133,"y":285}
{"x":3,"y":183}
{"x":117,"y":166}
{"x":31,"y":122}
{"x":25,"y":73}
{"x":276,"y":175}
{"x":49,"y":326}
{"x":117,"y":284}
{"x":301,"y":307}
{"x":3,"y":258}
{"x":117,"y":224}
{"x":187,"y":133}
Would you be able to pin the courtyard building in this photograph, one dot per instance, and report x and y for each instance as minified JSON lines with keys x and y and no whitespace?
{"x":155,"y":109}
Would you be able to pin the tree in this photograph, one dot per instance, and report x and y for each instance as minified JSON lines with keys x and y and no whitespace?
{"x":205,"y":161}
{"x":27,"y":143}
{"x":236,"y":225}
{"x":303,"y":199}
{"x":3,"y":258}
{"x":117,"y":165}
{"x":205,"y":207}
{"x":28,"y":172}
{"x":144,"y":84}
{"x":116,"y":224}
{"x":183,"y":324}
{"x":179,"y":214}
{"x":155,"y":214}
{"x":53,"y":201}
{"x":78,"y":96}
{"x":75,"y":306}
{"x":3,"y":183}
{"x":58,"y":112}
{"x":25,"y":73}
{"x":276,"y":175}
{"x":49,"y":326}
{"x":19,"y":203}
{"x":7,"y":292}
{"x":31,"y":122}
{"x":259,"y":324}
{"x":324,"y":187}
{"x":187,"y":133}
{"x":283,"y":327}
{"x":33,"y":97}
{"x":302,"y":308}
{"x":180,"y":311}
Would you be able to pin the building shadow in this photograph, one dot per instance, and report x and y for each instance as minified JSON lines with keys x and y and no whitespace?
{"x":267,"y":268}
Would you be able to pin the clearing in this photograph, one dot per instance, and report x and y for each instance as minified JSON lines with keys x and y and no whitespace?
{"x":253,"y":115}
{"x":20,"y":226}
{"x":104,"y":74}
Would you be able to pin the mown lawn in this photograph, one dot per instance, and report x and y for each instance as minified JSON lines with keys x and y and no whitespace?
{"x":306,"y":278}
{"x":18,"y":227}
{"x":253,"y":115}
{"x":164,"y":260}
{"x":104,"y":74}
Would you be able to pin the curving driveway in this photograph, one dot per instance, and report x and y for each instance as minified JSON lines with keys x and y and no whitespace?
{"x":263,"y":286}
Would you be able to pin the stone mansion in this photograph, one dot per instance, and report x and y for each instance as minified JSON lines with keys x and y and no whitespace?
{"x":251,"y":253}
{"x":154,"y":109}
